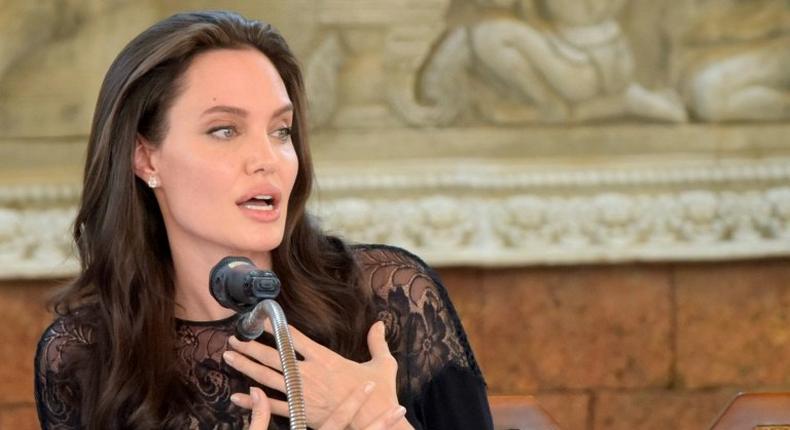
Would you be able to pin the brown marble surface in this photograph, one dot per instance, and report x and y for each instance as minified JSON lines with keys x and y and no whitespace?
{"x":601,"y":347}
{"x":733,"y":328}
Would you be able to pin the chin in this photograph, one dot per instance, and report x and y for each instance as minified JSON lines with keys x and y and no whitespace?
{"x":264,"y":245}
{"x":254,"y":239}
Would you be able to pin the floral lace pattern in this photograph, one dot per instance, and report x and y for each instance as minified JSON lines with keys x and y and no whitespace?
{"x":56,"y":387}
{"x":199,"y":353}
{"x":423,"y":332}
{"x":423,"y":329}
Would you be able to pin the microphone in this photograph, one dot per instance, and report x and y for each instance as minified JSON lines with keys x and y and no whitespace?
{"x":237,"y":284}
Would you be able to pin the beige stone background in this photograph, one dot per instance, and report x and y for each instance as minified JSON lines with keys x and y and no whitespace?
{"x":603,"y":184}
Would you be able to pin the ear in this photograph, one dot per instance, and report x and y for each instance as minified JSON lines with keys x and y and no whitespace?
{"x":145,"y":158}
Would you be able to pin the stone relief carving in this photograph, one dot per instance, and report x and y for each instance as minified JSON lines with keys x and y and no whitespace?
{"x":344,"y":77}
{"x":541,"y":61}
{"x":45,"y":47}
{"x":26,"y":27}
{"x":321,"y":75}
{"x":487,"y":62}
{"x":736,"y":57}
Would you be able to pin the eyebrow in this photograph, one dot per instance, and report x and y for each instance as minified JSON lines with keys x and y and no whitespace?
{"x":225,"y":109}
{"x":289,"y":107}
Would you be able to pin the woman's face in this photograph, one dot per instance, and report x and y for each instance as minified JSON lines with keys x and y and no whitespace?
{"x":226,"y":165}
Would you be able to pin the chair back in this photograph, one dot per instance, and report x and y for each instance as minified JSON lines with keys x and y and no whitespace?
{"x":756,"y":411}
{"x":519,"y":413}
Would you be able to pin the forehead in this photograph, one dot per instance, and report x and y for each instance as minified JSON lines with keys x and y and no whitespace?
{"x":243,"y":77}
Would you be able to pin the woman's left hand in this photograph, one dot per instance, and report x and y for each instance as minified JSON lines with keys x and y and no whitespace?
{"x":327,"y":377}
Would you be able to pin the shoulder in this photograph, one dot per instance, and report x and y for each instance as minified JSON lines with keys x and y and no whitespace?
{"x":400,"y":281}
{"x":385,"y":267}
{"x":64,"y":338}
{"x":63,"y":351}
{"x":372,"y":252}
{"x":423,"y":328}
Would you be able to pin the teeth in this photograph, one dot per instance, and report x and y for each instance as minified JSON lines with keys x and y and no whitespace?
{"x":259,"y":207}
{"x":262,"y":197}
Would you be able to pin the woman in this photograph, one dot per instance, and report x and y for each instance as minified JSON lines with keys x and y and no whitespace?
{"x":198,"y":151}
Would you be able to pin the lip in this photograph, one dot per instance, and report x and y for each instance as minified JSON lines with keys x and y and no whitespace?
{"x":265,"y":216}
{"x":268,"y":190}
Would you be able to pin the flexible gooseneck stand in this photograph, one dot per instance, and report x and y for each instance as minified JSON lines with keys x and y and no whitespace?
{"x":250,"y":326}
{"x":237,"y":284}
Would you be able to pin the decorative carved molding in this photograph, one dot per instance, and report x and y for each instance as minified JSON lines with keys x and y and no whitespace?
{"x":528,"y":229}
{"x":499,"y":220}
{"x":515,"y":177}
{"x":35,"y":242}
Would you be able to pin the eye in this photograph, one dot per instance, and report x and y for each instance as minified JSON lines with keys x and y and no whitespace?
{"x":283,"y":134}
{"x":224,"y":132}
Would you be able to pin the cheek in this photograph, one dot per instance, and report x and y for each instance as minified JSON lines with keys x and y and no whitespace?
{"x":193,"y":182}
{"x":290,"y":168}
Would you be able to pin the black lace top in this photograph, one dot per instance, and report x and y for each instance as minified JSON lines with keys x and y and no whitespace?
{"x":438,"y":379}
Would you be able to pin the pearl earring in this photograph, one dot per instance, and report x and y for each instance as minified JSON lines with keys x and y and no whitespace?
{"x":153,"y":181}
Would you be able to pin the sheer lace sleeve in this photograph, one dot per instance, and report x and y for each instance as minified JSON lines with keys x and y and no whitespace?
{"x":57,"y":388}
{"x":437,"y":372}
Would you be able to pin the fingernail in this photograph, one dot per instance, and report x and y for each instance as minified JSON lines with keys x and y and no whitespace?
{"x":228,"y":357}
{"x":256,"y":396}
{"x":382,"y":327}
{"x":234,"y":398}
{"x":369,"y":387}
{"x":233,"y":341}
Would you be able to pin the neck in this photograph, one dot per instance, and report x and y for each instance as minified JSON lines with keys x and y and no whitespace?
{"x":192,"y":265}
{"x":193,"y":300}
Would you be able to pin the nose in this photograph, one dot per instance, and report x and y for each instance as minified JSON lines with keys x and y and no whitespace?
{"x":261,"y":156}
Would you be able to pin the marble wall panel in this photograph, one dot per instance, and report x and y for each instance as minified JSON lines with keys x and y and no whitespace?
{"x":732,"y":327}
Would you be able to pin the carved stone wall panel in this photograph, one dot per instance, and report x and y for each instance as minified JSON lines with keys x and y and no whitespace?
{"x":377,"y":13}
{"x":493,"y":132}
{"x":49,"y":89}
{"x":571,"y":62}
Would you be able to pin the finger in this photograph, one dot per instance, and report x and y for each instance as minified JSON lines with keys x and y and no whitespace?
{"x":259,"y":372}
{"x":260,"y":410}
{"x":377,"y":341}
{"x":260,"y":352}
{"x":241,"y":400}
{"x":342,"y":416}
{"x":387,"y":419}
{"x":276,"y":407}
{"x":302,"y":343}
{"x":279,"y":407}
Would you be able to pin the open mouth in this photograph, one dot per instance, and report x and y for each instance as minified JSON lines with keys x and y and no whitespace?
{"x":261,"y":202}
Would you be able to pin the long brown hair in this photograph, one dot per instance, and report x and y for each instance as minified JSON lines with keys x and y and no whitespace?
{"x":125,"y":289}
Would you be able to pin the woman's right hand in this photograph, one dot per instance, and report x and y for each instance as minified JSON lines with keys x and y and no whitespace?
{"x":327,"y":377}
{"x":339,"y":419}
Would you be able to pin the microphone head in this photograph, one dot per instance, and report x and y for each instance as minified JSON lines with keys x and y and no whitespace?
{"x":237,"y":284}
{"x":219,"y":279}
